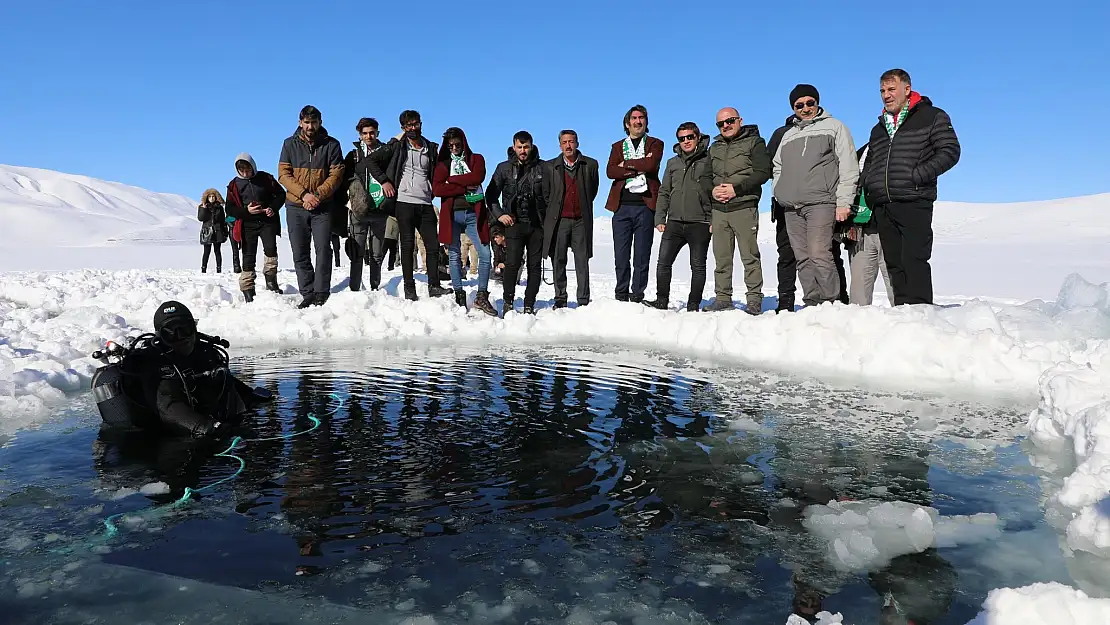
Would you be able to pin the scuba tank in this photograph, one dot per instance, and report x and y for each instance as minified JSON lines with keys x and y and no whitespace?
{"x":111,"y":387}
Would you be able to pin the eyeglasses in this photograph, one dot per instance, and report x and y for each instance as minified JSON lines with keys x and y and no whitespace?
{"x":455,"y":144}
{"x":727,"y":122}
{"x":687,"y":137}
{"x":807,"y":104}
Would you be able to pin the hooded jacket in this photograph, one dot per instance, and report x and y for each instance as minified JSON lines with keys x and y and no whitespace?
{"x":261,"y":188}
{"x":212,"y":216}
{"x":815,"y":164}
{"x":742,"y":162}
{"x":905,"y":168}
{"x":315,"y":168}
{"x":516,"y":189}
{"x":681,"y":194}
{"x":387,"y":164}
{"x":649,"y":166}
{"x":453,"y":188}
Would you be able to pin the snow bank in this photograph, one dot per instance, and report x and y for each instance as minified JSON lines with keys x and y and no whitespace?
{"x":867,"y":535}
{"x":39,"y":206}
{"x":1042,"y":604}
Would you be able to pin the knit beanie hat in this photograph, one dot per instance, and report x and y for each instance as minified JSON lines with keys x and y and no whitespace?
{"x":802,"y":91}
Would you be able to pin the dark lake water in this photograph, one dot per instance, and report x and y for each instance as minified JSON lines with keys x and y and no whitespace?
{"x":535,"y":485}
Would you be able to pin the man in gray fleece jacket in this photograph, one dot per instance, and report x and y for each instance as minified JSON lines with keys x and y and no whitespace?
{"x":683,"y":213}
{"x":815,"y":174}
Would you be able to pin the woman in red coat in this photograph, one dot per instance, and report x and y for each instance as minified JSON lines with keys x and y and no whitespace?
{"x":458,"y":181}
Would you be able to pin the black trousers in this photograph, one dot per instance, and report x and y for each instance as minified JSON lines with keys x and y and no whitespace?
{"x":208,"y":250}
{"x":906,"y":232}
{"x":307,"y":230}
{"x":788,"y":264}
{"x":253,"y":233}
{"x":235,"y":255}
{"x":410,"y":218}
{"x":571,"y":235}
{"x":518,"y":238}
{"x":369,"y":237}
{"x":677,"y":235}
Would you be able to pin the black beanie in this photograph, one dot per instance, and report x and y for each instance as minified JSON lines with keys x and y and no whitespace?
{"x":802,"y":91}
{"x":172,"y":311}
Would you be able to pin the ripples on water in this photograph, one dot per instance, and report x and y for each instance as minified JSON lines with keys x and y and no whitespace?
{"x":534,"y":482}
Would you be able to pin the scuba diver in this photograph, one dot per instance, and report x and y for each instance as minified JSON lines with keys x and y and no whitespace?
{"x":175,"y":381}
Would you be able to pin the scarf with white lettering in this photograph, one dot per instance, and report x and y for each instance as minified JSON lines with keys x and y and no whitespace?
{"x":638,"y":183}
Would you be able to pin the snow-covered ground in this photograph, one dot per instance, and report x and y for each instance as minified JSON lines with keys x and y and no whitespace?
{"x":89,"y":260}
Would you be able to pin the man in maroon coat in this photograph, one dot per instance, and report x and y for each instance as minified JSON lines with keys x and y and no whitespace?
{"x":634,"y":169}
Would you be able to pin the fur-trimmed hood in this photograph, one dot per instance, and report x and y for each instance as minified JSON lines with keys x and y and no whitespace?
{"x":208,"y":193}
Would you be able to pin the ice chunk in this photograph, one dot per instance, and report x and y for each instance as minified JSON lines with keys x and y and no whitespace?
{"x":1078,"y":293}
{"x":155,"y":488}
{"x":866,"y":535}
{"x":1042,"y":604}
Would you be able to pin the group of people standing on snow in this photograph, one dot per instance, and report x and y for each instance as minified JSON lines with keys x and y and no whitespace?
{"x":876,"y":201}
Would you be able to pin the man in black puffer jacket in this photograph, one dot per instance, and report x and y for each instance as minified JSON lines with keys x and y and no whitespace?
{"x":911,"y":146}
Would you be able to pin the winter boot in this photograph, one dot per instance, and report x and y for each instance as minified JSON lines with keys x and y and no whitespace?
{"x":786,"y":304}
{"x":410,"y":291}
{"x":636,"y":299}
{"x":660,"y":303}
{"x":307,"y":301}
{"x":754,"y":306}
{"x":435,"y":290}
{"x":320,"y":299}
{"x":506,"y":308}
{"x":236,"y":265}
{"x":460,"y":297}
{"x":529,"y":310}
{"x":248,"y":295}
{"x":219,"y":269}
{"x":482,"y":303}
{"x":272,"y":283}
{"x":719,"y":304}
{"x":204,"y":268}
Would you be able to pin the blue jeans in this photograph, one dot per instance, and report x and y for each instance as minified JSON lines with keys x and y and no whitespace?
{"x":468,"y":221}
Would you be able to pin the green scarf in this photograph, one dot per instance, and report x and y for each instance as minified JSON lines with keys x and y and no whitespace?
{"x":863,"y":212}
{"x":459,"y":168}
{"x":893,"y":126}
{"x":373,"y":187}
{"x":638,"y":183}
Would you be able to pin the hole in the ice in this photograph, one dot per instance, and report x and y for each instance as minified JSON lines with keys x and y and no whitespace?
{"x":555,"y":484}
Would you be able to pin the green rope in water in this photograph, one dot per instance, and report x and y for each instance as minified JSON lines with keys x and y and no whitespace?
{"x":111,"y":529}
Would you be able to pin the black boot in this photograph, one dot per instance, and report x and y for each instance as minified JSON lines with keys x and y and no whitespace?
{"x":460,"y":297}
{"x":248,"y":295}
{"x":786,"y":304}
{"x":320,"y":299}
{"x":272,"y":283}
{"x":237,"y":267}
{"x":219,"y":269}
{"x":506,"y":308}
{"x":204,"y":268}
{"x":482,"y":303}
{"x":308,"y":300}
{"x":660,"y":303}
{"x":435,"y":290}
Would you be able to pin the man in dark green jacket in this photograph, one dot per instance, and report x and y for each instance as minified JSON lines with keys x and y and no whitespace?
{"x":683,"y":213}
{"x":738,"y":168}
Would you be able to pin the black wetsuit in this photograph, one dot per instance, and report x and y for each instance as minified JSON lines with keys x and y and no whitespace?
{"x":191,"y":394}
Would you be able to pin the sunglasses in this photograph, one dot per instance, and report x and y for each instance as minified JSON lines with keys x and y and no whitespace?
{"x":455,"y":144}
{"x":687,"y":137}
{"x":727,"y":122}
{"x":807,"y":104}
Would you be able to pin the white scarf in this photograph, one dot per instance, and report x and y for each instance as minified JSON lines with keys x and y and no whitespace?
{"x":459,"y":168}
{"x":638,"y":183}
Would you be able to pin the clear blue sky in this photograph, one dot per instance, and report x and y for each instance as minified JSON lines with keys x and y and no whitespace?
{"x":164,"y":94}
